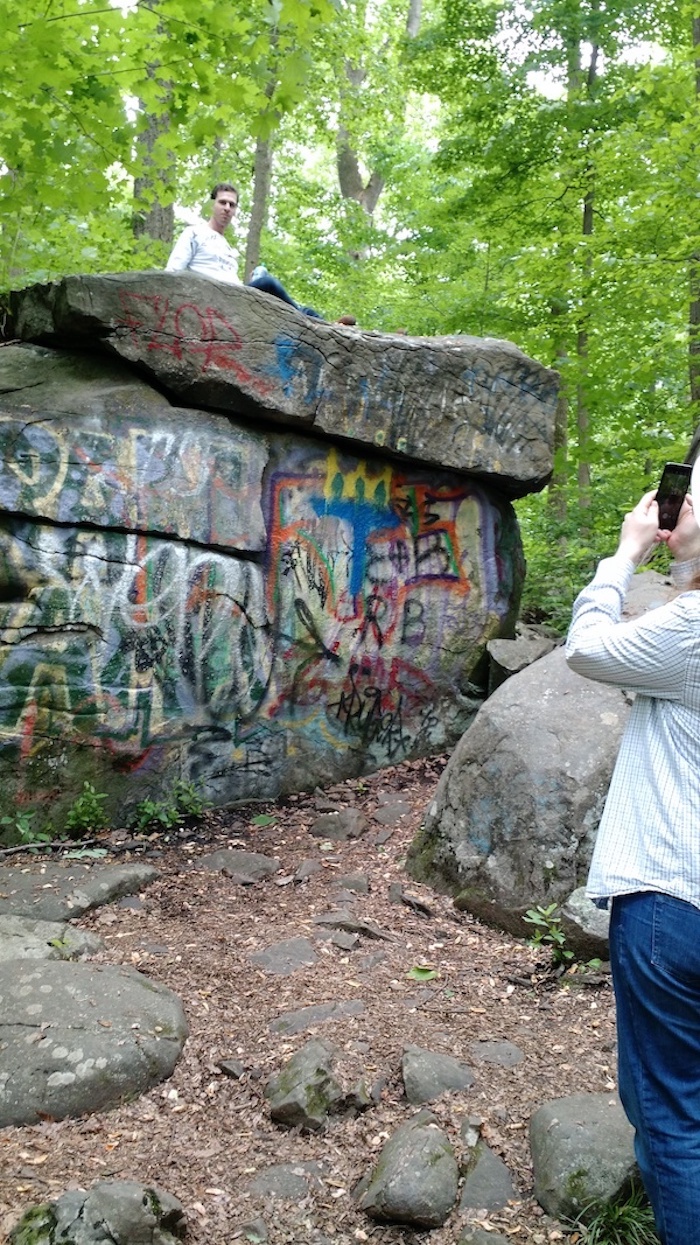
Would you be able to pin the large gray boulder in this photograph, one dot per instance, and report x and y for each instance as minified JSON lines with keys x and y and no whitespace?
{"x":185,"y":596}
{"x":516,"y":811}
{"x":76,"y":1038}
{"x":476,"y":405}
{"x":582,"y":1153}
{"x":415,"y":1179}
{"x":121,"y":1212}
{"x":305,"y":1092}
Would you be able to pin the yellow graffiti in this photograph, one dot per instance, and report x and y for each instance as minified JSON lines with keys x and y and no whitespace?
{"x":348,"y":485}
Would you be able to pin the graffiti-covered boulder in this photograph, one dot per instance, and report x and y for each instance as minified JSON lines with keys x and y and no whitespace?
{"x":190,"y":594}
{"x":465,"y":403}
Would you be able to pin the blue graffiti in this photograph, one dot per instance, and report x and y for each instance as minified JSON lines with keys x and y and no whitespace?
{"x":362,"y":517}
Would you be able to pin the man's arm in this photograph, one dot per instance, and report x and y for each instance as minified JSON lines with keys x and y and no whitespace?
{"x":647,"y":654}
{"x":183,"y":252}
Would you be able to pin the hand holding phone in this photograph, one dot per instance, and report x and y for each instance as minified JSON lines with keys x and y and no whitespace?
{"x":671,"y":492}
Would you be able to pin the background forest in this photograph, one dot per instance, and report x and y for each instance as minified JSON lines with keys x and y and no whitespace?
{"x":506,"y":169}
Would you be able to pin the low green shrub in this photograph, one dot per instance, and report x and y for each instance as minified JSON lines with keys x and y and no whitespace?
{"x":86,"y":814}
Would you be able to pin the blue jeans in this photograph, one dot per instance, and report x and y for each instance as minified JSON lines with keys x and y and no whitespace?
{"x":270,"y":285}
{"x":655,"y":960}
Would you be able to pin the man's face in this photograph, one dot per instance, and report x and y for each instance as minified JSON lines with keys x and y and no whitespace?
{"x":224,"y":209}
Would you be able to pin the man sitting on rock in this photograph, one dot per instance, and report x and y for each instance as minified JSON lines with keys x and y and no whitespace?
{"x":203,"y":248}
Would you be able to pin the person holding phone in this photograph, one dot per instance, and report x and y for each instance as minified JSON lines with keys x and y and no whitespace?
{"x":646,"y":860}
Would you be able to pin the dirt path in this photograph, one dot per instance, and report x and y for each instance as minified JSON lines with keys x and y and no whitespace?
{"x":203,"y":1135}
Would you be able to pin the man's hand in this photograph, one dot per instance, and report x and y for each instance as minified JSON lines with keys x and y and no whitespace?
{"x":640,"y":529}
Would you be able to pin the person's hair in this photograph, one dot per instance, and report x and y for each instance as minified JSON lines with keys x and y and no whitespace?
{"x":224,"y":186}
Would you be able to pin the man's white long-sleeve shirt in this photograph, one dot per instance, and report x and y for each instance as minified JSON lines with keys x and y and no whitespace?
{"x":649,"y":834}
{"x":201,"y":249}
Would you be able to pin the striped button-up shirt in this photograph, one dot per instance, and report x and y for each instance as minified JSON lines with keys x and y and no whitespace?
{"x":649,"y":834}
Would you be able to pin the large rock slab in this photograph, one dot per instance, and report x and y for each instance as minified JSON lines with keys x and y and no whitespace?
{"x":516,"y":812}
{"x":468,"y":403}
{"x":22,"y":938}
{"x":183,"y":596}
{"x":84,"y":440}
{"x":60,"y":891}
{"x":76,"y":1038}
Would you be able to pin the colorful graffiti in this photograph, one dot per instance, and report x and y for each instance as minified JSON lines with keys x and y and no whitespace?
{"x":333,"y":635}
{"x":437,"y":404}
{"x":201,"y":484}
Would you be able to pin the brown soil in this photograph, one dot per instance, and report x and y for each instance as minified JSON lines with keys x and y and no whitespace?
{"x":203,"y":1135}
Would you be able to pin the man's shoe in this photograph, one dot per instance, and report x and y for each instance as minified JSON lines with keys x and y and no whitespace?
{"x":349,"y":320}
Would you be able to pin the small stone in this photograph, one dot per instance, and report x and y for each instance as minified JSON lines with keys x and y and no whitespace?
{"x":232,"y":1067}
{"x":355,"y":882}
{"x":254,"y":1231}
{"x":381,"y":837}
{"x":306,"y":869}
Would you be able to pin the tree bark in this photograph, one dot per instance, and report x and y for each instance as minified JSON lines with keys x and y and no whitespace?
{"x":154,"y":214}
{"x":258,"y":213}
{"x":583,"y":422}
{"x":694,"y":280}
{"x":350,"y":178}
{"x":557,"y":501}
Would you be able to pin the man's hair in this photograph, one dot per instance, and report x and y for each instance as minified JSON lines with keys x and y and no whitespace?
{"x":224,"y":186}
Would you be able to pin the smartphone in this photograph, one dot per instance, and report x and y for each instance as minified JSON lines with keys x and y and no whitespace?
{"x":674,"y":485}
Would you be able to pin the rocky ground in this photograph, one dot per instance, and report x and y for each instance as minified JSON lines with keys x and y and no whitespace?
{"x":205,"y":1135}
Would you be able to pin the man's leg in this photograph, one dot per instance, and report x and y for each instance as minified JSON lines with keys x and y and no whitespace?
{"x":270,"y":285}
{"x":655,"y":959}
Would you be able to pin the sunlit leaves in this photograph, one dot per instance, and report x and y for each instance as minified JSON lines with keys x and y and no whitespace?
{"x":80,"y":79}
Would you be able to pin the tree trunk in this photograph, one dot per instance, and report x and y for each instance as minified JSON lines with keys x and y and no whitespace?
{"x":413,"y":19}
{"x":350,"y":178}
{"x":557,"y":491}
{"x":576,"y":85}
{"x":694,"y":309}
{"x":153,"y":215}
{"x":583,"y":422}
{"x":258,"y":213}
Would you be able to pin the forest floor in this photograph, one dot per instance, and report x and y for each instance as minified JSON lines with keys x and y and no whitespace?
{"x":203,"y":1136}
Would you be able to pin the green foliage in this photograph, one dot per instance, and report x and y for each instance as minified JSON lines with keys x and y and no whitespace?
{"x":155,"y":814}
{"x":422,"y":972}
{"x":86,"y":853}
{"x":188,"y":799}
{"x":629,"y":1221}
{"x":163,"y":814}
{"x":80,"y":85}
{"x":21,"y":827}
{"x":548,"y":932}
{"x":86,"y":814}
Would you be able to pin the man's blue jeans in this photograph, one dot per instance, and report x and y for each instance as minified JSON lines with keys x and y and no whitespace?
{"x":655,"y":960}
{"x":268,"y":284}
